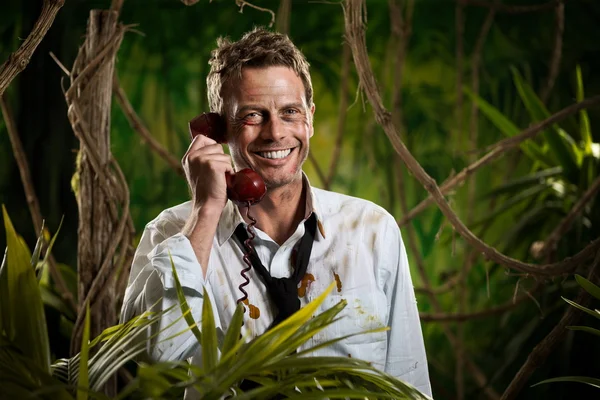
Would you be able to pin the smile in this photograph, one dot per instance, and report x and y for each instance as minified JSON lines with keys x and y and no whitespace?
{"x":275,"y":155}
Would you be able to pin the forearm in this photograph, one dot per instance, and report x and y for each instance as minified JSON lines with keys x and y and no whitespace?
{"x":200,"y":229}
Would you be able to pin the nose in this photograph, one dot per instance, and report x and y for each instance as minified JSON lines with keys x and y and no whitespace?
{"x":273,"y":130}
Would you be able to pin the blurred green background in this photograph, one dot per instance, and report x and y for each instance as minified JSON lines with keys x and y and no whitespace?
{"x":162,"y":66}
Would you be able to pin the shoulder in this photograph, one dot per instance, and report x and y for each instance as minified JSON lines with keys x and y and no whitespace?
{"x":341,"y":212}
{"x":171,"y":220}
{"x":353,"y":209}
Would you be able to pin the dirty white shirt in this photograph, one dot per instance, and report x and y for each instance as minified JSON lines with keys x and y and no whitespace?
{"x":358,"y":245}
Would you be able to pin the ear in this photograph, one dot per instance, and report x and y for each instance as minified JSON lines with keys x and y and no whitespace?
{"x":312,"y":117}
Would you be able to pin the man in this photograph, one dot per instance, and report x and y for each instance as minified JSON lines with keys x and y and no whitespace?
{"x":262,"y":87}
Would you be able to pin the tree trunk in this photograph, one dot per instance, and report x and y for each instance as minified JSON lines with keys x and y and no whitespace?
{"x":95,"y":225}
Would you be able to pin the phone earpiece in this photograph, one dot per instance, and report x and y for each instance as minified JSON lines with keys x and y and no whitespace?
{"x":244,"y":187}
{"x":211,"y":125}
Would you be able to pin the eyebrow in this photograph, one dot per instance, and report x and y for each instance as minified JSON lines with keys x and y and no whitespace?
{"x":259,"y":107}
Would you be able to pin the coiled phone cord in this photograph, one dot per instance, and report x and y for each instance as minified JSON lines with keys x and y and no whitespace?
{"x":250,"y":248}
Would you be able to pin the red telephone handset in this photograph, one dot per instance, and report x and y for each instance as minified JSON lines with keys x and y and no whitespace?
{"x":244,"y":187}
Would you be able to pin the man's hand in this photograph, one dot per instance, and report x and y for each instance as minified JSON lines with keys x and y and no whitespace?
{"x":205,"y":164}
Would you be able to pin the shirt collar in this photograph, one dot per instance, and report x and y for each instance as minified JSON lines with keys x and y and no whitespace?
{"x":231,"y":217}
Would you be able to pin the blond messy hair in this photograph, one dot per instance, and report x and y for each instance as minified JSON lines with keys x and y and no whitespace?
{"x":257,"y":48}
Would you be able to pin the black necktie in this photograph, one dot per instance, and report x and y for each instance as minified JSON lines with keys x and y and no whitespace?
{"x":283,"y":291}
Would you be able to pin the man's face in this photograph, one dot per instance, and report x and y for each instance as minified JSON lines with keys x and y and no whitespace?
{"x":269,"y":124}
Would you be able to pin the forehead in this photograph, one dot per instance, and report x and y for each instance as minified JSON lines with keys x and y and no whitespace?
{"x":268,"y":84}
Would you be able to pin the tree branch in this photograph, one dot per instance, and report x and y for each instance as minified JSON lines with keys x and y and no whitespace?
{"x":32,"y":200}
{"x":18,"y":60}
{"x":241,"y":4}
{"x":342,"y":113}
{"x":499,"y":149}
{"x":557,"y":53}
{"x":401,"y":28}
{"x":460,"y":55}
{"x":354,"y":26}
{"x":565,"y":224}
{"x":547,"y":345}
{"x":138,"y":125}
{"x":461,"y":317}
{"x":462,"y":290}
{"x":116,"y":5}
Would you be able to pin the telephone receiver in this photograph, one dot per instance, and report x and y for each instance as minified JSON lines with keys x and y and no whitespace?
{"x":245,"y":187}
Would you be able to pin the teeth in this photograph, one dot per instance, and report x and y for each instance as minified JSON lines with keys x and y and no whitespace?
{"x":275,"y":154}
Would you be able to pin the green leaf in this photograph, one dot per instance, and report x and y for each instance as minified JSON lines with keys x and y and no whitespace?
{"x":51,"y":244}
{"x":588,"y":286}
{"x":185,"y":308}
{"x":559,"y":142}
{"x":585,"y":329}
{"x":23,"y":373}
{"x":37,"y":250}
{"x":232,"y":337}
{"x":582,"y":308}
{"x":578,"y":379}
{"x":5,"y":311}
{"x":209,"y":334}
{"x":584,"y":120}
{"x":530,"y":148}
{"x":84,"y":383}
{"x":520,"y":183}
{"x":26,"y":329}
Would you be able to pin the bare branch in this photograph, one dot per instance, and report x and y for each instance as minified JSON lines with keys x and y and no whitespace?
{"x":342,"y":113}
{"x":543,"y":349}
{"x":460,"y":55}
{"x":401,"y":28}
{"x":499,"y":149}
{"x":461,"y":317}
{"x":116,"y":6}
{"x":462,"y":290}
{"x":241,"y":4}
{"x":354,"y":25}
{"x":18,"y":60}
{"x":31,"y":198}
{"x":557,"y":53}
{"x":283,"y":17}
{"x":138,"y":125}
{"x":566,"y":223}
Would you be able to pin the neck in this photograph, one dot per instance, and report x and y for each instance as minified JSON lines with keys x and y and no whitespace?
{"x":280,"y":211}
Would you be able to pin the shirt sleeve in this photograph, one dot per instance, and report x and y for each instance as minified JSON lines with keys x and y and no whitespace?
{"x":152,"y":287}
{"x":406,"y":356}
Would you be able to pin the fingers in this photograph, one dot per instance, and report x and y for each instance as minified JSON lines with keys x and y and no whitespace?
{"x":200,"y":141}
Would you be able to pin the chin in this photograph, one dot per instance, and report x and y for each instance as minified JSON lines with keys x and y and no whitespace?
{"x":276,"y":182}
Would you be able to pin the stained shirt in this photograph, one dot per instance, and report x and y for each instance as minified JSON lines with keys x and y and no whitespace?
{"x":358,"y":245}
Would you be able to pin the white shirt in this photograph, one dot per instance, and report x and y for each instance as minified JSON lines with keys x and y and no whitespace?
{"x":358,"y":245}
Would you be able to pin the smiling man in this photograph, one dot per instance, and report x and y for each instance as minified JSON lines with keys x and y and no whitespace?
{"x":306,"y":238}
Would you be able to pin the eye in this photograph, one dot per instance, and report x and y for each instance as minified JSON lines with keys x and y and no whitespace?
{"x":291,"y":113}
{"x":252,"y":117}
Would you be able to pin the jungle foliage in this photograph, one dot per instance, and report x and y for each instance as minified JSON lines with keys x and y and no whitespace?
{"x":514,"y":203}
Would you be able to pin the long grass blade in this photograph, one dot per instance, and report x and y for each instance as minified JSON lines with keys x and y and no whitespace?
{"x":585,"y":329}
{"x":209,"y":335}
{"x":27,"y":330}
{"x":588,"y":286}
{"x":83,"y":385}
{"x":595,"y":382}
{"x":185,"y":308}
{"x":584,"y":120}
{"x":582,"y":308}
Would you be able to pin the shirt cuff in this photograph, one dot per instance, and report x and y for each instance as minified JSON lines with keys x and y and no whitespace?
{"x":178,"y":249}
